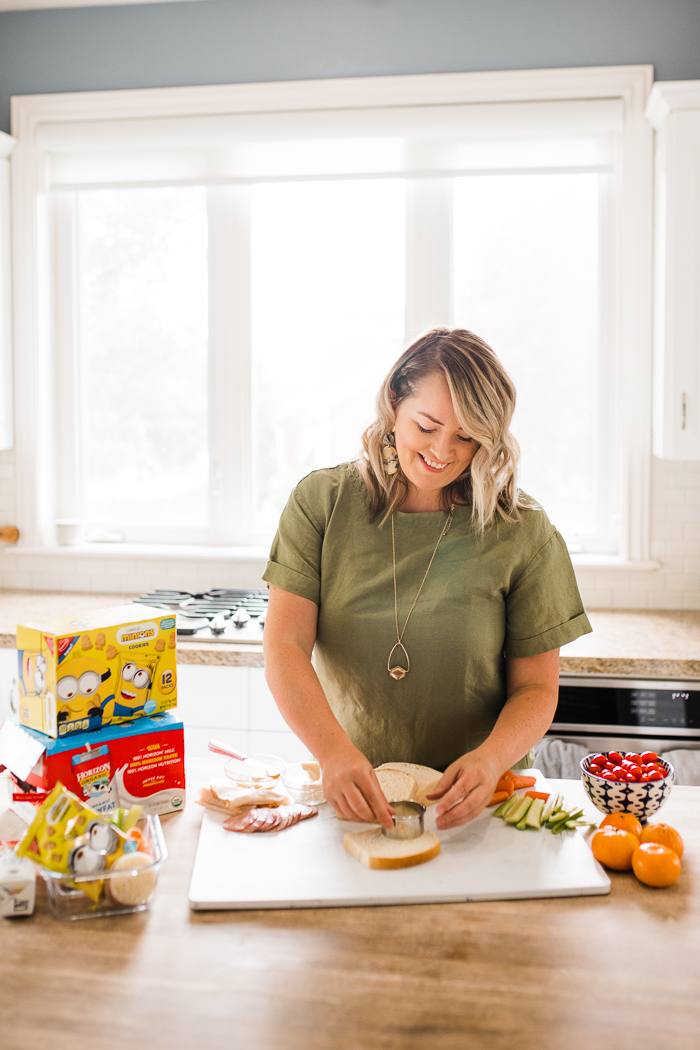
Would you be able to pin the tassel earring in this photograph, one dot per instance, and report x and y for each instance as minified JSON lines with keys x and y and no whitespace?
{"x":389,"y":454}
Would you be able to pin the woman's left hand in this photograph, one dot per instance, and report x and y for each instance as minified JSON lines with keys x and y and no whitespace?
{"x":464,"y":789}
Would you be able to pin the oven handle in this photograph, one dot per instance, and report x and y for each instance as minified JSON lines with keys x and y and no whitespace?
{"x":610,"y":730}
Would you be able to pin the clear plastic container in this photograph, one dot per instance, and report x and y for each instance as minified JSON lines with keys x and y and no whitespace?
{"x":303,"y":782}
{"x":126,"y":890}
{"x":243,"y":775}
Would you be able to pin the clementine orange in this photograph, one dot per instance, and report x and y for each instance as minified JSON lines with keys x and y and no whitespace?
{"x":614,"y":847}
{"x":665,"y":835}
{"x":626,"y":821}
{"x":656,"y":865}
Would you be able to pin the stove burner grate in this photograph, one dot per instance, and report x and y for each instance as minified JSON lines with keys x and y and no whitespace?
{"x":214,"y":608}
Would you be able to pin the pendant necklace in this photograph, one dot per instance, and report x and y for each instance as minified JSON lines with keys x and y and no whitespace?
{"x":397,"y":672}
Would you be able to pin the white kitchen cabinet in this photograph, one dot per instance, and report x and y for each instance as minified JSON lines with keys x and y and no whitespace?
{"x":234,"y":705}
{"x":674,"y":112}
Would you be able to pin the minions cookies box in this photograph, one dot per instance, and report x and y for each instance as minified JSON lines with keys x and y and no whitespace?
{"x":79,"y":674}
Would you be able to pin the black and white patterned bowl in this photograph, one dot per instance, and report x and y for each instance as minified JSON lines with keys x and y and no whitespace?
{"x":641,"y":799}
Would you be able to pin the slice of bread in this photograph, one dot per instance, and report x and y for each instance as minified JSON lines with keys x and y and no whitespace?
{"x":375,"y":850}
{"x":397,"y":784}
{"x":425,"y":778}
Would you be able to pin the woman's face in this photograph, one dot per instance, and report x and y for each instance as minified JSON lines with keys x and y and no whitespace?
{"x":433,"y":449}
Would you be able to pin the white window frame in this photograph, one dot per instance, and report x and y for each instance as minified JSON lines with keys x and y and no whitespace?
{"x":36,"y":323}
{"x":6,"y":422}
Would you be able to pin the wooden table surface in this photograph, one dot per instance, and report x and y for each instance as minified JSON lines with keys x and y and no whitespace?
{"x":620,"y":971}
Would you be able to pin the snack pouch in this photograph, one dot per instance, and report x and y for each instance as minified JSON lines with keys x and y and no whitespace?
{"x":132,"y":691}
{"x":67,"y":837}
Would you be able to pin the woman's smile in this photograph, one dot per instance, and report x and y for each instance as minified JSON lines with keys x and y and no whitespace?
{"x":436,"y":468}
{"x":432,"y":447}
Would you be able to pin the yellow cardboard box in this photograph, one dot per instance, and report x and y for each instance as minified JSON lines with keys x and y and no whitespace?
{"x":80,"y":673}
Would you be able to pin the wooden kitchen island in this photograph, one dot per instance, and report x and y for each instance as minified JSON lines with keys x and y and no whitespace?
{"x":618,"y":971}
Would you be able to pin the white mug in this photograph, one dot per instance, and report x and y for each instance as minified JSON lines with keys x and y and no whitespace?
{"x":69,"y":531}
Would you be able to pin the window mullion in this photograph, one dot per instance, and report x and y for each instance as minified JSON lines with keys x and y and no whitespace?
{"x":229,"y":363}
{"x":67,"y":371}
{"x":428,"y":255}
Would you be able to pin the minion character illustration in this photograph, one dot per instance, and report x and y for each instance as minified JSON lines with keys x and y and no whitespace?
{"x":133,"y":692}
{"x":32,"y":677}
{"x":89,"y":855}
{"x":32,"y":686}
{"x":82,"y":693}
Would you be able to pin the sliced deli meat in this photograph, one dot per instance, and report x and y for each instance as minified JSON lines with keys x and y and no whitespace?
{"x":225,"y":798}
{"x":269,"y":819}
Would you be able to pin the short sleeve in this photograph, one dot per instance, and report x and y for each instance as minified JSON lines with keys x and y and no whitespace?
{"x":295,"y":556}
{"x":543,"y":607}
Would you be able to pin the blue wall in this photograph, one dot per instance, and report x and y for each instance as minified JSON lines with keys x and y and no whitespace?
{"x":230,"y":41}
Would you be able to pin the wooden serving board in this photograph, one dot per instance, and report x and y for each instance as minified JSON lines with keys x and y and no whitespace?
{"x":306,"y":866}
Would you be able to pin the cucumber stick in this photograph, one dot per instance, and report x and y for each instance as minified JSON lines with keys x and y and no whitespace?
{"x":518,"y":812}
{"x":533,"y":817}
{"x":535,"y":813}
{"x":549,"y":807}
{"x":506,"y":806}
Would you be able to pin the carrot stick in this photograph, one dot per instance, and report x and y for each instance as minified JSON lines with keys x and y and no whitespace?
{"x":499,"y":796}
{"x":524,"y":782}
{"x":508,"y":775}
{"x":537,"y":794}
{"x":505,"y":785}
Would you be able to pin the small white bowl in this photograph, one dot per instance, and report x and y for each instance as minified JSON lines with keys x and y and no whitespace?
{"x":301,"y":786}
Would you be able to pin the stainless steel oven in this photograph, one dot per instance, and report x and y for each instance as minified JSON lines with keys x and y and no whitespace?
{"x":602,"y":713}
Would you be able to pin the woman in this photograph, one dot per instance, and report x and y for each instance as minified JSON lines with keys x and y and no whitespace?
{"x":426,"y":547}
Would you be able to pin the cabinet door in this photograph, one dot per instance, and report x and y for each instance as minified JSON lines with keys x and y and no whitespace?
{"x":213,"y":702}
{"x":677,"y":286}
{"x":269,"y":733}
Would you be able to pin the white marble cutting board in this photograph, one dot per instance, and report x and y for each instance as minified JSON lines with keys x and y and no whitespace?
{"x":306,"y":866}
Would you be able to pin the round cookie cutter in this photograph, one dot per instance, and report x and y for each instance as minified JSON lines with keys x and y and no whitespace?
{"x":408,"y":820}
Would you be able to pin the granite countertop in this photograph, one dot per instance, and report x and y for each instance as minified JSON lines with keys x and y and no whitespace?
{"x":642,"y":644}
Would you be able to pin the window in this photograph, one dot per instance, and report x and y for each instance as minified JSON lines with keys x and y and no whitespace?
{"x":235,"y":269}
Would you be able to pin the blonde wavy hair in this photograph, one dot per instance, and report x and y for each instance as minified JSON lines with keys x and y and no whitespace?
{"x":483,"y":396}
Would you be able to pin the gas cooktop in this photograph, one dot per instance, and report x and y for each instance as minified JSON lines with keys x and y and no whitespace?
{"x":214,"y":616}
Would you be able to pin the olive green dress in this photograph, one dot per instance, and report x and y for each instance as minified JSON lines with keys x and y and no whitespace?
{"x":510,"y":592}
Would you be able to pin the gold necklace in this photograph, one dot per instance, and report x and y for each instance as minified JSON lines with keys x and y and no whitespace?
{"x":397,"y":672}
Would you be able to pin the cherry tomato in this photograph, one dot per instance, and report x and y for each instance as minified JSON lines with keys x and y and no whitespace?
{"x":598,"y":760}
{"x":608,"y":776}
{"x":615,"y":757}
{"x":632,"y":757}
{"x":656,"y":774}
{"x":649,"y":756}
{"x":629,"y":778}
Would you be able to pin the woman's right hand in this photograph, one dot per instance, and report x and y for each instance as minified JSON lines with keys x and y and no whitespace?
{"x":351,"y":786}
